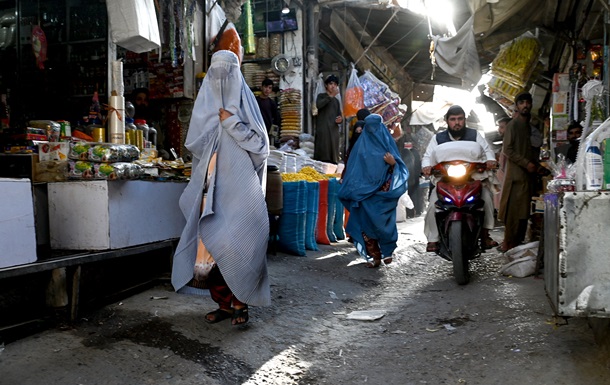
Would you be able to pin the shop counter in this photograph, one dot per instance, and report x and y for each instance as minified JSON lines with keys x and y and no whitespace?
{"x":101,"y":215}
{"x":576,"y":253}
{"x":17,"y":224}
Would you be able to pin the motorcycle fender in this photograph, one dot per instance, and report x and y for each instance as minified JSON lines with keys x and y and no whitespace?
{"x":458,"y":216}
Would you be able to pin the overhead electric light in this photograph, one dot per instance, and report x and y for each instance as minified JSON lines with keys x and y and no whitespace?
{"x":285,"y":10}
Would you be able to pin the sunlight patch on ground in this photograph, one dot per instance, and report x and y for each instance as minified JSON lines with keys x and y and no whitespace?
{"x":331,"y":255}
{"x":283,"y":369}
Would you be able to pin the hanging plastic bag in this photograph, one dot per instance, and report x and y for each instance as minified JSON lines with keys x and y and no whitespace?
{"x":320,"y":89}
{"x":133,"y":24}
{"x":375,"y":91}
{"x":354,"y":95}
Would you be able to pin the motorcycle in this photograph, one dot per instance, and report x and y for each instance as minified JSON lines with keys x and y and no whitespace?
{"x":459,"y":213}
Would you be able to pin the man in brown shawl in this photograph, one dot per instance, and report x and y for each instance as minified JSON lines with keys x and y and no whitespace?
{"x":329,"y":117}
{"x":521,"y":169}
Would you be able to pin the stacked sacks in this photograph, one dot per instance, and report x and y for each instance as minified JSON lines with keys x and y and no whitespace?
{"x":107,"y":161}
{"x":321,"y":218}
{"x":291,"y":232}
{"x":297,"y":229}
{"x":290,"y":111}
{"x":306,"y":143}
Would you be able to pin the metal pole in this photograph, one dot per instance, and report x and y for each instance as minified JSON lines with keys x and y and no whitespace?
{"x":376,"y":37}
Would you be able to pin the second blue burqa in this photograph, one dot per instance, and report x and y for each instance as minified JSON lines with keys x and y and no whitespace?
{"x":371,"y":210}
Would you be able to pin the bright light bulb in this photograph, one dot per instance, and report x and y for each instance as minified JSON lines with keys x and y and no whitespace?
{"x":285,"y":10}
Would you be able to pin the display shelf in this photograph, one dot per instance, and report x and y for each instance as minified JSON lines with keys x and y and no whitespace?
{"x":265,"y":60}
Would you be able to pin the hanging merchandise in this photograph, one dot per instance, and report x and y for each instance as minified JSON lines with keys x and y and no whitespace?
{"x":516,"y":61}
{"x":354,"y":95}
{"x":249,"y":44}
{"x":39,"y":46}
{"x":320,"y":89}
{"x":133,"y":24}
{"x":379,"y":99}
{"x":514,"y":69}
{"x":457,"y":55}
{"x":375,"y":91}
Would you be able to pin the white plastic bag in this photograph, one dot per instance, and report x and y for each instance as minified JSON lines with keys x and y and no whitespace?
{"x":133,"y":24}
{"x":320,"y":89}
{"x":376,"y":92}
{"x":354,"y":95}
{"x":520,"y":268}
{"x":404,"y":203}
{"x":522,"y":251}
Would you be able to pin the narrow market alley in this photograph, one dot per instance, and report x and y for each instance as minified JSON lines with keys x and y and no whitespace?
{"x":495,"y":330}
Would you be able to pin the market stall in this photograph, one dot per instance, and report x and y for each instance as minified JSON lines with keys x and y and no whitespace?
{"x":87,"y":182}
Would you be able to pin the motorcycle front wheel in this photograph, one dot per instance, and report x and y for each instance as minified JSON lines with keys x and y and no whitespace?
{"x":460,"y":261}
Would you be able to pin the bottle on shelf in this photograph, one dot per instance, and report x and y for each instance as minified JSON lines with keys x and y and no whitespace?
{"x":130,"y":131}
{"x":142,"y":131}
{"x":152,"y":136}
{"x":98,"y":131}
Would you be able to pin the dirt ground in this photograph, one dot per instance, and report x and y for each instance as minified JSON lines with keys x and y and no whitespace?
{"x":495,"y":330}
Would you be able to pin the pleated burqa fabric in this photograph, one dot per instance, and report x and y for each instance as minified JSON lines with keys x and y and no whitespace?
{"x":234,"y":224}
{"x":372,"y":211}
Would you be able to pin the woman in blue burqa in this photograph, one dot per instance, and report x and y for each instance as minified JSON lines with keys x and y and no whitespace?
{"x":374,"y":180}
{"x":223,"y":246}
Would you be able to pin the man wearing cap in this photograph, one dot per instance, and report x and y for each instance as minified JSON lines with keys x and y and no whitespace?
{"x":327,"y":123}
{"x":457,"y":131}
{"x":521,"y":169}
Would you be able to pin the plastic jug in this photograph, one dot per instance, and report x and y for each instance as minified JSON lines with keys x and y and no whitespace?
{"x":152,"y":136}
{"x":141,"y":125}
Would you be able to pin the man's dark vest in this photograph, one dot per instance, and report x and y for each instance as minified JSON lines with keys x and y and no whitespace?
{"x":470,"y":135}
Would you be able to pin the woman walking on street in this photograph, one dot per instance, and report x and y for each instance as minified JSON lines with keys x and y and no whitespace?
{"x":374,"y":180}
{"x":223,"y":246}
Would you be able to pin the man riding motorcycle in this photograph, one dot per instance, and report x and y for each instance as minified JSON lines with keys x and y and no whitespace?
{"x":457,"y":131}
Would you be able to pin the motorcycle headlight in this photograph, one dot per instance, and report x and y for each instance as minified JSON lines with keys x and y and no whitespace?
{"x":456,"y":170}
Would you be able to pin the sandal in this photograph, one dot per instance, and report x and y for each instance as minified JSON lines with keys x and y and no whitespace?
{"x":488,"y":243}
{"x":240,"y":316}
{"x":375,"y":263}
{"x":218,"y":315}
{"x":387,"y":260}
{"x":432,"y":247}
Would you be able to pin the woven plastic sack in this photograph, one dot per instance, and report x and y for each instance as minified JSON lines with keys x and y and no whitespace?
{"x":333,"y":187}
{"x":291,"y":232}
{"x":354,"y":95}
{"x":311,"y":215}
{"x":338,"y":227}
{"x":321,"y":234}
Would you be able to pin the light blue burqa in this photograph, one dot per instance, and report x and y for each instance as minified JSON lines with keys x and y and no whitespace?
{"x":372,"y":211}
{"x":234,"y":224}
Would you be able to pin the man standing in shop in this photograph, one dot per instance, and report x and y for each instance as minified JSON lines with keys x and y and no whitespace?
{"x":501,"y":123}
{"x":570,"y":150}
{"x":327,"y":122}
{"x":268,"y":108}
{"x":521,"y":169}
